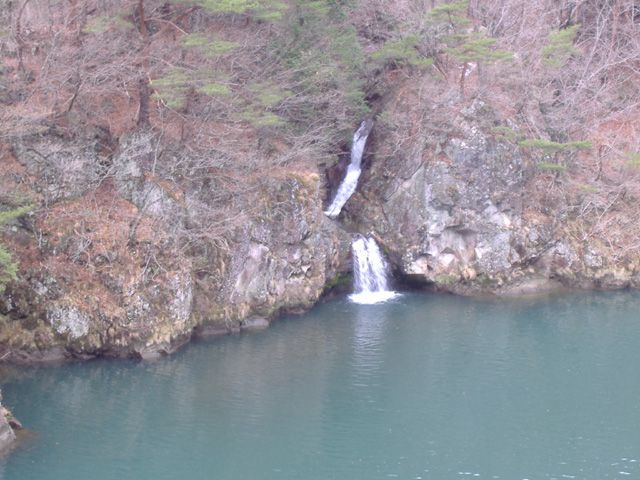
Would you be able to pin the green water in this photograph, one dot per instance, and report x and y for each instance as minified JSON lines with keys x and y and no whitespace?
{"x":424,"y":387}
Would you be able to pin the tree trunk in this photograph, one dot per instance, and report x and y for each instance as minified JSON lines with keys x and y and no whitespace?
{"x":18,"y":36}
{"x":143,"y":22}
{"x":144,"y":90}
{"x":145,"y":94}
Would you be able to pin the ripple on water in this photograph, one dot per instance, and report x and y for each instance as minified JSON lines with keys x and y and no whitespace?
{"x":420,"y":386}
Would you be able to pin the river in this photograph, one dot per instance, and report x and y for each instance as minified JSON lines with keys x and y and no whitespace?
{"x":423,"y":387}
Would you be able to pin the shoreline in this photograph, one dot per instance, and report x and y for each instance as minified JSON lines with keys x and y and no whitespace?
{"x":514,"y":293}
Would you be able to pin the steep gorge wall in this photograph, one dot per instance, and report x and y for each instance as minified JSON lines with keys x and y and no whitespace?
{"x":106,"y":268}
{"x":166,"y":207}
{"x":454,"y":204}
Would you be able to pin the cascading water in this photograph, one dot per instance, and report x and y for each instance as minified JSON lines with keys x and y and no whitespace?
{"x":369,"y":272}
{"x":369,"y":267}
{"x":350,"y":181}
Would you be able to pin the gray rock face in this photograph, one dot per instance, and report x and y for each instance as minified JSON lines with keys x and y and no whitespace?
{"x":68,"y":320}
{"x":116,"y":278}
{"x":454,"y":206}
{"x":7,"y":435}
{"x":64,"y":169}
{"x":455,"y":210}
{"x":280,"y":261}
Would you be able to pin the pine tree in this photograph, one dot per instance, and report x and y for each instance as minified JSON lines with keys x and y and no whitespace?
{"x":553,"y":152}
{"x":463,"y":44}
{"x":8,"y":266}
{"x":402,"y":52}
{"x":259,"y":9}
{"x":560,"y":46}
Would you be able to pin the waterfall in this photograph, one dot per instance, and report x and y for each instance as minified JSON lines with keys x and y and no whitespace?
{"x":369,"y":272}
{"x":350,"y":181}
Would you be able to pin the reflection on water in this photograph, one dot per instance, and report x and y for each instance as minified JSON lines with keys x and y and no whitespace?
{"x":422,"y":386}
{"x":369,"y":326}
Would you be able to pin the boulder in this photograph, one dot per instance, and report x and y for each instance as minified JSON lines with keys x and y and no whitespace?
{"x":7,"y":426}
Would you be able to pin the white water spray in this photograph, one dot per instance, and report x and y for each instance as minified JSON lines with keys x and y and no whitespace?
{"x":350,"y":181}
{"x":369,"y":272}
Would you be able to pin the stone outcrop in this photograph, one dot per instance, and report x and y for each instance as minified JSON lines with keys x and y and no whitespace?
{"x":112,"y":271}
{"x":280,"y":261}
{"x":454,"y":209}
{"x":456,"y":206}
{"x":7,"y":426}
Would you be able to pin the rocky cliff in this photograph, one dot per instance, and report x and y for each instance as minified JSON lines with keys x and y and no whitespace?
{"x":176,"y":158}
{"x":8,"y":425}
{"x":460,"y":206}
{"x":116,"y":280}
{"x":455,"y":203}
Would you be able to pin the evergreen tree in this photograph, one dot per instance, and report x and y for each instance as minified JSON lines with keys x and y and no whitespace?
{"x":8,"y":266}
{"x":560,"y":46}
{"x":553,"y":152}
{"x":463,"y":44}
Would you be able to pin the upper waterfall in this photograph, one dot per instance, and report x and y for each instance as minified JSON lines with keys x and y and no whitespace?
{"x":350,"y":181}
{"x":369,"y":272}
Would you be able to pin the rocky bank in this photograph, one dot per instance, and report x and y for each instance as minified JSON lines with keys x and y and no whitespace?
{"x":8,"y":427}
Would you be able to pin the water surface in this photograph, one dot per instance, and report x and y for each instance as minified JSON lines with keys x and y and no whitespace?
{"x":422,"y":387}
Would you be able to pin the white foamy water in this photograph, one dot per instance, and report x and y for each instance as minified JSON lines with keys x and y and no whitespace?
{"x":350,"y":180}
{"x":369,"y":273}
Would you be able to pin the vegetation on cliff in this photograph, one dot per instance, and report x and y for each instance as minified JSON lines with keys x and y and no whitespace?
{"x":8,"y":266}
{"x":292,"y":78}
{"x":147,"y":133}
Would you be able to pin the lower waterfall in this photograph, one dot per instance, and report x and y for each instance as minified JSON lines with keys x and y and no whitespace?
{"x":369,"y":273}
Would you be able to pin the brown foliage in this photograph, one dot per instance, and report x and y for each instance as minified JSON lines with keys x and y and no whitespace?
{"x":84,"y":69}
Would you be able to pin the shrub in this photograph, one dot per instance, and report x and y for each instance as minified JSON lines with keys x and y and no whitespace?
{"x":550,"y":166}
{"x":401,"y":52}
{"x":549,"y":146}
